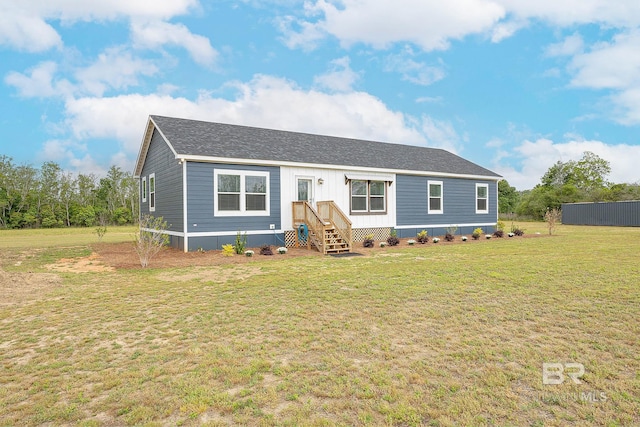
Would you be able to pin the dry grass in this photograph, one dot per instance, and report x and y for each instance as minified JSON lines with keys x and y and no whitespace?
{"x":426,"y":335}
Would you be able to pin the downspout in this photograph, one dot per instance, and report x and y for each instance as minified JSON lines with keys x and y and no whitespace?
{"x":184,"y":206}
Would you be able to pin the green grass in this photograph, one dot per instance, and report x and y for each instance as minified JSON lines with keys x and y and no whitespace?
{"x":56,"y":237}
{"x":432,"y":335}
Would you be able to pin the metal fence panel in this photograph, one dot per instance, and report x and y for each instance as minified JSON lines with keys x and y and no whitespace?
{"x":625,"y":214}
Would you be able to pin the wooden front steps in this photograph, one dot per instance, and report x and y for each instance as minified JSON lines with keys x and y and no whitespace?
{"x":334,"y":243}
{"x":328,"y":229}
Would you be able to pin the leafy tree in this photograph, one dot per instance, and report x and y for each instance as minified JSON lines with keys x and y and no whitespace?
{"x":508,"y":197}
{"x":567,"y":182}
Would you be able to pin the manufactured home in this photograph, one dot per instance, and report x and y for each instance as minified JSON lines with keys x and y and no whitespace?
{"x":211,"y":181}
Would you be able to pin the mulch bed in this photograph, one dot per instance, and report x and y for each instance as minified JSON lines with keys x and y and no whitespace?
{"x":123,"y":255}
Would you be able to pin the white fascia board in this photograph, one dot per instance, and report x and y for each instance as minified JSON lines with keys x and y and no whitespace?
{"x":478,"y":224}
{"x":239,"y":161}
{"x":170,"y":233}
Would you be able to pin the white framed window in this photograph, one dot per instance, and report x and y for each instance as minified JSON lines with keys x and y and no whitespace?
{"x":368,"y":196}
{"x":144,"y":189}
{"x":152,"y":192}
{"x":237,"y":192}
{"x":434,"y":197}
{"x":482,"y":198}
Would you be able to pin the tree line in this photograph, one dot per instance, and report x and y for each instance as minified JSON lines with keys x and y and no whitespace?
{"x":584,"y":180}
{"x":51,"y":197}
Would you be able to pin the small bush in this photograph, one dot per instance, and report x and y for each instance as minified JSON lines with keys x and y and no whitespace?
{"x":101,"y":231}
{"x":517,"y":231}
{"x":228,"y":250}
{"x":449,"y":237}
{"x":477,"y":233}
{"x":498,"y":233}
{"x":266,"y":250}
{"x":422,"y":237}
{"x":393,"y":241}
{"x":151,"y":238}
{"x":241,"y":243}
{"x":368,"y":243}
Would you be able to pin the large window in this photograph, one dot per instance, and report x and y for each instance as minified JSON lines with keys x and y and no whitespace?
{"x":434,"y":197}
{"x":241,"y":192}
{"x":152,"y":192}
{"x":482,"y":198}
{"x":368,"y":196}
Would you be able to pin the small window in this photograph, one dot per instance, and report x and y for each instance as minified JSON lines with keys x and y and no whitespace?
{"x":368,"y":196}
{"x":434,"y":197}
{"x":144,"y":189}
{"x":482,"y":198}
{"x":241,"y":192}
{"x":152,"y":192}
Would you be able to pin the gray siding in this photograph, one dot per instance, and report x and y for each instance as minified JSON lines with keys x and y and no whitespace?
{"x":200,"y":210}
{"x":161,"y":161}
{"x":626,"y":214}
{"x":253,"y":241}
{"x":459,"y":203}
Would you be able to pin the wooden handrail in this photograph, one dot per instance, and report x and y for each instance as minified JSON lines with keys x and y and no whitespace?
{"x":304,"y":213}
{"x":329,"y":211}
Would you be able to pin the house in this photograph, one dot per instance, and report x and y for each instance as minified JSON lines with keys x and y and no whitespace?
{"x":210,"y":181}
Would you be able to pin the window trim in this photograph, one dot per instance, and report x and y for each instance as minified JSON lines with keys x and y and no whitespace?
{"x":367,"y":197}
{"x":152,"y":192}
{"x":243,"y":194}
{"x":486,"y":186}
{"x":144,"y":189}
{"x":441,"y":197}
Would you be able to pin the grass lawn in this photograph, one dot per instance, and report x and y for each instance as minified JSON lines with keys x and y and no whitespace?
{"x":434,"y":335}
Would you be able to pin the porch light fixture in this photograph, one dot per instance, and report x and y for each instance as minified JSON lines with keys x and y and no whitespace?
{"x":320,"y":181}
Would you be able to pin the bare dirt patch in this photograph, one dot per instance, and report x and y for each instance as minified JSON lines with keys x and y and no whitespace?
{"x":18,"y":288}
{"x":216,"y":274}
{"x":92,"y":263}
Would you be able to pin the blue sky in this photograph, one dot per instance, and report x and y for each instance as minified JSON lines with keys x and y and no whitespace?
{"x":513,"y":85}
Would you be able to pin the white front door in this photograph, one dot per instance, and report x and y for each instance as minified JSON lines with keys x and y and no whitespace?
{"x":305,"y":189}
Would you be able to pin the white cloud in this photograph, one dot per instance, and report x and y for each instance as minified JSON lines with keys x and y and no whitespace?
{"x":340,"y":78}
{"x":115,"y":68}
{"x":536,"y":157}
{"x":413,"y":71}
{"x":39,"y":82}
{"x":614,"y":65}
{"x":571,"y":45}
{"x":26,"y":32}
{"x":156,"y":34}
{"x":264,"y":101}
{"x":619,"y":13}
{"x":430,"y":24}
{"x":24,"y":24}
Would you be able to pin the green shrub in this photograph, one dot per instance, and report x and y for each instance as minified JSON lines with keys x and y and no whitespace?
{"x":241,"y":243}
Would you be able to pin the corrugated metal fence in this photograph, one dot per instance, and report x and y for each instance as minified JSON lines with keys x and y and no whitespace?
{"x":625,"y":214}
